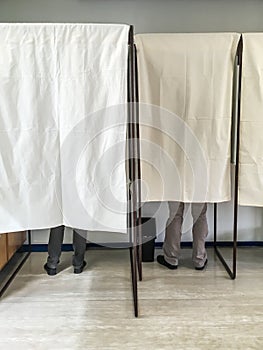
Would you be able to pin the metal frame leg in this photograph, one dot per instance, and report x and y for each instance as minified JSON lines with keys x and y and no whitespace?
{"x":18,"y":268}
{"x":138,"y":167}
{"x":133,"y":259}
{"x":232,"y":273}
{"x":132,"y":195}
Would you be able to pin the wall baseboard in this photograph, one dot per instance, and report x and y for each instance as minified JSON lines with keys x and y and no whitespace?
{"x":69,"y":247}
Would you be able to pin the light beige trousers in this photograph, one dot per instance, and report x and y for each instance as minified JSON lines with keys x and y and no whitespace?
{"x":173,"y":233}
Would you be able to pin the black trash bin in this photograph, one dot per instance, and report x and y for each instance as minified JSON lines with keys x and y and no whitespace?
{"x":148,"y":239}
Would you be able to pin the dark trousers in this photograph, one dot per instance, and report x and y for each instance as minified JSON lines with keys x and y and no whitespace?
{"x":55,"y":243}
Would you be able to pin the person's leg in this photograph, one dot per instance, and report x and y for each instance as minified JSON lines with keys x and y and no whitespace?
{"x":54,"y":249}
{"x":200,"y":232}
{"x":173,"y":233}
{"x":79,"y":245}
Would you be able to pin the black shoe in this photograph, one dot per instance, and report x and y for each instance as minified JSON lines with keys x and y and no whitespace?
{"x":202,"y":267}
{"x":80,"y":269}
{"x":162,"y":261}
{"x":50,"y":271}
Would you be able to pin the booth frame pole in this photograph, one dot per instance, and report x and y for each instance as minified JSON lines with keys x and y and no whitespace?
{"x":232,"y":273}
{"x":132,"y":190}
{"x":138,"y":167}
{"x":18,"y":268}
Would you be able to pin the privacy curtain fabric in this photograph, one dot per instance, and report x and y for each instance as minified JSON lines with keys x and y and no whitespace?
{"x":63,"y":126}
{"x":251,"y":135}
{"x":185,"y":90}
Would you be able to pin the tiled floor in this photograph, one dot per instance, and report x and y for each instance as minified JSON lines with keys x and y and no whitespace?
{"x":179,"y":309}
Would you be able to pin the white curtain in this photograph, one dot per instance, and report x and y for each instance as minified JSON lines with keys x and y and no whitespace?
{"x":63,"y":126}
{"x":251,"y":139}
{"x":185,"y":87}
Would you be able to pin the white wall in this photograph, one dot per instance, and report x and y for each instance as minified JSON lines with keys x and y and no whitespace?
{"x":146,"y":15}
{"x":155,"y":16}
